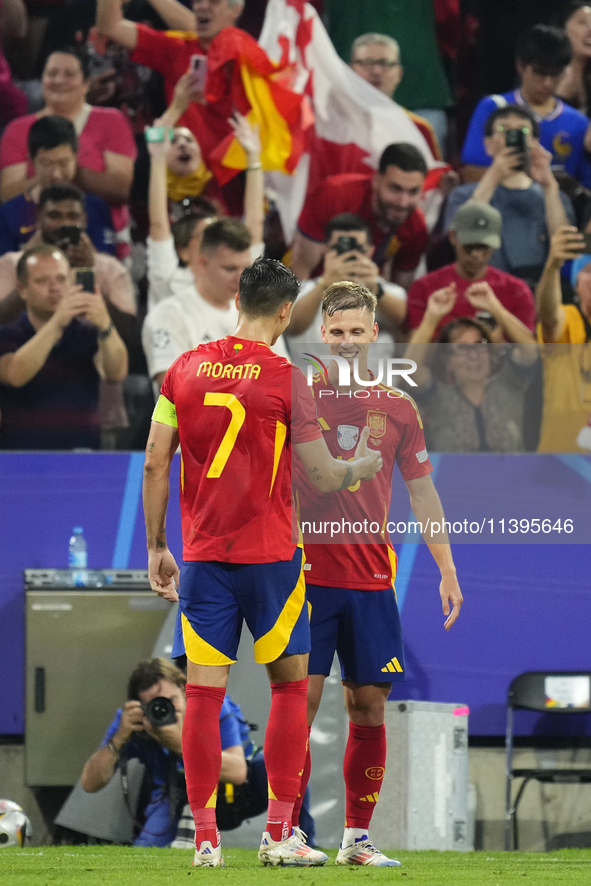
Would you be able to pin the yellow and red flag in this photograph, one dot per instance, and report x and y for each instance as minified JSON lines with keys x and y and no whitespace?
{"x":242,"y":77}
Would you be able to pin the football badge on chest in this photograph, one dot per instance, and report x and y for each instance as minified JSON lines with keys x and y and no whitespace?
{"x":347,"y":436}
{"x":376,"y":422}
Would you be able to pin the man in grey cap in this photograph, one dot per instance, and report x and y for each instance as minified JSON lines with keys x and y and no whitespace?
{"x":471,"y":287}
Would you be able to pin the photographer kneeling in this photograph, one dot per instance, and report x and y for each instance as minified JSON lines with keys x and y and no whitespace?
{"x":149,"y":728}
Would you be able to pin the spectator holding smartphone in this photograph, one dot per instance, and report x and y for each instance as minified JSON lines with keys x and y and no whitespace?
{"x":53,"y":356}
{"x":543,"y":55}
{"x":62,"y":222}
{"x":53,"y":152}
{"x":348,"y":256}
{"x":520,"y":184}
{"x":106,"y":147}
{"x":173,"y":251}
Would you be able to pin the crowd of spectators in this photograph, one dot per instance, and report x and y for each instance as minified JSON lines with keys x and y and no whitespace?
{"x":112,"y":138}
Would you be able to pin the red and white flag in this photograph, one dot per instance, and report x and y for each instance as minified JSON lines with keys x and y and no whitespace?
{"x":353,"y":121}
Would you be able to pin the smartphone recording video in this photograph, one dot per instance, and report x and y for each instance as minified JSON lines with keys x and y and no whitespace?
{"x":85,"y":279}
{"x":199,"y":71}
{"x":515,"y":138}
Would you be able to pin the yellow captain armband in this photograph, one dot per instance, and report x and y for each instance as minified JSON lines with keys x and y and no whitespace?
{"x":165,"y":412}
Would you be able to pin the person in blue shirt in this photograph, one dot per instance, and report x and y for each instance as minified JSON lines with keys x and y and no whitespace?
{"x":163,"y":796}
{"x":53,"y":148}
{"x":523,"y":189}
{"x":542,"y":55}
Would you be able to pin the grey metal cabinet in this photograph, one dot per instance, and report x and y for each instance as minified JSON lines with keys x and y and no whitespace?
{"x":81,"y":646}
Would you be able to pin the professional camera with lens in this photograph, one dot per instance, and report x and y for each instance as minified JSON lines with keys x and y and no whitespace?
{"x":348,"y":244}
{"x":160,"y":711}
{"x":65,"y":236}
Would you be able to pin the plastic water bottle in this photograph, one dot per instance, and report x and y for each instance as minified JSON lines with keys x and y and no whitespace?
{"x":78,"y":557}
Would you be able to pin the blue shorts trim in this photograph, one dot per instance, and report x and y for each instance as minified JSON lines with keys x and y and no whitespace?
{"x":363,"y":628}
{"x":215,"y":598}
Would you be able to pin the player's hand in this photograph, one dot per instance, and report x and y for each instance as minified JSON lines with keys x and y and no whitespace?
{"x":372,"y":458}
{"x":441,"y":302}
{"x":163,"y":574}
{"x":450,"y":593}
{"x":132,"y":720}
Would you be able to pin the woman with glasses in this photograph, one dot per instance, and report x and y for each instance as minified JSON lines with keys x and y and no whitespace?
{"x":471,"y":392}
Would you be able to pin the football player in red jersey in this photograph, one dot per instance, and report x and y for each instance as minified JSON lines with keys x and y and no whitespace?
{"x":351,"y":585}
{"x":236,"y":408}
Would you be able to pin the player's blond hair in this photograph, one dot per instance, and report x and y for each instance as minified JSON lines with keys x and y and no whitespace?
{"x":348,"y":296}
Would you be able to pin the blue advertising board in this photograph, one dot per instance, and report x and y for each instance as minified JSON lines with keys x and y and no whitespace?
{"x":527,"y":600}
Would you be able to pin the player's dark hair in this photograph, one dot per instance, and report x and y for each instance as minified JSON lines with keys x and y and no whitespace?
{"x":348,"y":296}
{"x":79,"y":53}
{"x":59,"y":192}
{"x":405,"y":156}
{"x":544,"y":46}
{"x":226,"y":232}
{"x":22,"y":266}
{"x":51,"y":132}
{"x":148,"y":673}
{"x":517,"y":111}
{"x":346,"y":221}
{"x":265,"y":286}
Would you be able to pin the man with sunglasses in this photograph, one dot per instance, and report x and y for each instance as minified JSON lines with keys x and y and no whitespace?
{"x":471,"y":286}
{"x":542,"y":55}
{"x":521,"y":185}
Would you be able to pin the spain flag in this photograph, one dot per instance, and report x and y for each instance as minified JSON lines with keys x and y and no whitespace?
{"x":241,"y":76}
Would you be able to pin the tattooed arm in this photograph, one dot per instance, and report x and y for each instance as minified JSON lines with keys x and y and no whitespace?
{"x":163,"y":571}
{"x":329,"y":474}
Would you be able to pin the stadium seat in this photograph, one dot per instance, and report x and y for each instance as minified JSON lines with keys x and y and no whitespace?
{"x":557,"y":693}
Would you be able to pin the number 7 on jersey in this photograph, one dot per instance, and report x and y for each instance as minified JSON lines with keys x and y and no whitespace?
{"x":227,"y":445}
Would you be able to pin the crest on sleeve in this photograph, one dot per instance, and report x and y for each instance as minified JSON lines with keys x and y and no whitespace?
{"x":376,"y":422}
{"x":347,"y":436}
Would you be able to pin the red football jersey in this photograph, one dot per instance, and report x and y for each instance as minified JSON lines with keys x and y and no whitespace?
{"x":365,"y":560}
{"x":352,"y":192}
{"x":232,"y":403}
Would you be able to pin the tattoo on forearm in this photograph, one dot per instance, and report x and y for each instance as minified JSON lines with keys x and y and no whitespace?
{"x":161,"y":537}
{"x":315,"y":475}
{"x":348,"y":478}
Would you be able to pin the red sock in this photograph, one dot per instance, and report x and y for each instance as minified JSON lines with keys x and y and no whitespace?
{"x":202,"y":756}
{"x":285,"y":752}
{"x":295,"y":818}
{"x":365,"y":759}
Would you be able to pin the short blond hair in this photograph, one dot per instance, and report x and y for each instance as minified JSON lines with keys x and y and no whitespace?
{"x":348,"y":296}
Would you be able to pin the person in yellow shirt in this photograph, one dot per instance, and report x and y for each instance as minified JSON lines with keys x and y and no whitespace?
{"x":566,"y":331}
